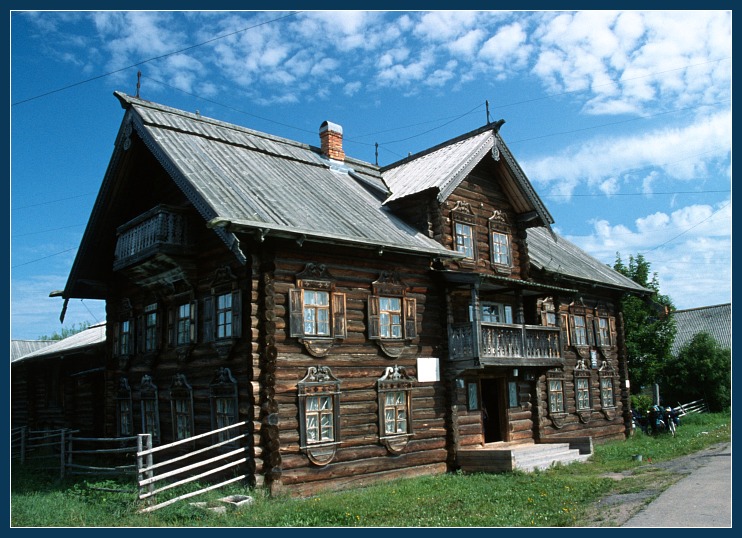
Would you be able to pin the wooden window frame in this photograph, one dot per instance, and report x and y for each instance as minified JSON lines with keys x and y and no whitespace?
{"x":318,"y":384}
{"x":555,"y":392}
{"x":151,"y":328}
{"x":181,"y":392}
{"x":223,"y":390}
{"x":124,"y":410}
{"x":149,"y":407}
{"x":462,"y":215}
{"x":398,"y":384}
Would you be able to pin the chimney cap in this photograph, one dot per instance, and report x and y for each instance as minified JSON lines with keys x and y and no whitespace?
{"x":329,"y":126}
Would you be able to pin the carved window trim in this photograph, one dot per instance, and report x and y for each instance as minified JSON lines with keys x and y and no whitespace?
{"x":124,"y":334}
{"x":181,"y":407}
{"x":389,"y":286}
{"x":605,"y":330}
{"x":124,"y":410}
{"x":224,"y":403}
{"x":556,"y":404}
{"x":223,"y":308}
{"x":395,"y":396}
{"x":500,"y":237}
{"x":319,"y":410}
{"x":547,"y":312}
{"x":149,"y":406}
{"x":464,"y":231}
{"x":315,"y":280}
{"x":583,"y":391}
{"x":581,"y":333}
{"x":607,"y":377}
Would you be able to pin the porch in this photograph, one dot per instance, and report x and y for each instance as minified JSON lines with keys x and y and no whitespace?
{"x":505,"y":343}
{"x":525,"y":456}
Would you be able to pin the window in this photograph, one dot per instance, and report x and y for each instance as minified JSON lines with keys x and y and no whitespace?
{"x":124,"y":415}
{"x":606,"y":392}
{"x":547,"y":310}
{"x":464,"y":239}
{"x":556,"y":395}
{"x":222,"y":316}
{"x":500,"y":248}
{"x":395,"y":397}
{"x":579,"y":332}
{"x":317,"y":311}
{"x":472,"y":394}
{"x":494,"y":313}
{"x":124,"y":337}
{"x":223,"y":396}
{"x":582,"y":393}
{"x":464,"y":234}
{"x":185,"y":324}
{"x":319,"y":414}
{"x":181,"y":407}
{"x":149,"y":407}
{"x":150,"y":327}
{"x":390,"y":317}
{"x":388,"y":320}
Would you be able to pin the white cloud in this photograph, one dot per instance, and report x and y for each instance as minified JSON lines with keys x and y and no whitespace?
{"x":689,"y":249}
{"x":507,"y":49}
{"x":707,"y":140}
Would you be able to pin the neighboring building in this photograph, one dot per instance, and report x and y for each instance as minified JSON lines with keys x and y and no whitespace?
{"x":367,"y":322}
{"x":59,"y":384}
{"x":715,"y":320}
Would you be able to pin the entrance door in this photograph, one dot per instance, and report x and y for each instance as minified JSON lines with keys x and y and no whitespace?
{"x":493,"y":409}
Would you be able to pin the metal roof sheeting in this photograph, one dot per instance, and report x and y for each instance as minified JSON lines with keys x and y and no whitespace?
{"x":559,"y":256}
{"x":438,"y":169}
{"x":90,"y":337}
{"x":715,"y":320}
{"x":262,"y":182}
{"x":19,"y":348}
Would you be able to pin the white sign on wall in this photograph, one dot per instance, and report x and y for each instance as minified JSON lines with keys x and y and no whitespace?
{"x":428,"y":369}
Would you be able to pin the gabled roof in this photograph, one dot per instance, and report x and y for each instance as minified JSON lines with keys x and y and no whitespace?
{"x":553,"y":254}
{"x":241,"y":180}
{"x":256,"y":181}
{"x":93,"y":336}
{"x":715,"y":320}
{"x":443,"y":168}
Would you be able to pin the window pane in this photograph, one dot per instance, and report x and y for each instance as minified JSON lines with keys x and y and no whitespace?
{"x":313,"y":403}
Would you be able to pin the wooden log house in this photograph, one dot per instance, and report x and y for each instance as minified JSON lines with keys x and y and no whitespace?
{"x":366,"y":322}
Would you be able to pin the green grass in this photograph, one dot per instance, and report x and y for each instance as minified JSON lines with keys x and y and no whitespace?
{"x":558,"y":497}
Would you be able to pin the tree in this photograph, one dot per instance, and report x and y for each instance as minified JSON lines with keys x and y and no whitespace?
{"x":702,"y":370}
{"x":649,"y":330}
{"x":65,"y":332}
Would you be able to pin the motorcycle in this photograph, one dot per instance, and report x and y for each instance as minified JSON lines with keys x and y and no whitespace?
{"x":663,"y":419}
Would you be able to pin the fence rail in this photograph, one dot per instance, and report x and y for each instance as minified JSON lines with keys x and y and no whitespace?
{"x":179,"y":463}
{"x":202,"y":468}
{"x":698,"y":406}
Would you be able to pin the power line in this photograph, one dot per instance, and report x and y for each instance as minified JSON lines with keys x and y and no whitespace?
{"x":44,"y":258}
{"x":191,"y":47}
{"x":629,"y":194}
{"x":53,"y":201}
{"x":50,"y":230}
{"x":688,"y":230}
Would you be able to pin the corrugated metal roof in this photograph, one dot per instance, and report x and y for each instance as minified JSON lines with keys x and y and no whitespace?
{"x":90,"y":337}
{"x":19,"y":348}
{"x":715,"y":320}
{"x":257,"y":181}
{"x":562,"y":257}
{"x":442,"y":169}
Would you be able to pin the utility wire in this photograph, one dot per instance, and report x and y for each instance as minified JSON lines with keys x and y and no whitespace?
{"x":51,"y":230}
{"x":688,"y":230}
{"x":44,"y":258}
{"x":191,"y":47}
{"x":53,"y":201}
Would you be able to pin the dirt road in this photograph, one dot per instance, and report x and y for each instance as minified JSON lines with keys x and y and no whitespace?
{"x":699,"y":495}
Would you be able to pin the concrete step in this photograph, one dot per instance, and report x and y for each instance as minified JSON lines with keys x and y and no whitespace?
{"x":547,"y":456}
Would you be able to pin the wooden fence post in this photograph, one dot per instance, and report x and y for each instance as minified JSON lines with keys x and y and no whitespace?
{"x":24,"y":433}
{"x":62,"y":454}
{"x":144,"y":442}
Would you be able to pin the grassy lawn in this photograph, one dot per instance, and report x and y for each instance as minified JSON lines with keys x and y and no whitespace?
{"x":558,"y":497}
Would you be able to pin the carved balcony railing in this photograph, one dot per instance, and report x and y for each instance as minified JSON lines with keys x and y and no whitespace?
{"x":161,"y":229}
{"x":504,"y":341}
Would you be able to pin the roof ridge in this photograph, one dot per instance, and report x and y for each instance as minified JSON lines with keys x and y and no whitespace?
{"x":702,"y":307}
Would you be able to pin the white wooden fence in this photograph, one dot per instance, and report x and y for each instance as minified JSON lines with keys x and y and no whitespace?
{"x":698,"y":406}
{"x":215,"y":458}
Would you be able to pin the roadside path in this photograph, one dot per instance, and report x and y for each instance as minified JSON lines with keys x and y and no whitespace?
{"x":701,"y":499}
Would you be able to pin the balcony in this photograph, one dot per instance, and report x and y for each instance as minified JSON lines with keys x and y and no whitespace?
{"x":502,"y":344}
{"x":160,"y":231}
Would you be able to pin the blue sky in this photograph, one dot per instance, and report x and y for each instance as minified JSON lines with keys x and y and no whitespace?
{"x":621,"y":119}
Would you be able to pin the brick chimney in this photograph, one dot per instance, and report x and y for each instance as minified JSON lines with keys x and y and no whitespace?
{"x":331,"y":137}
